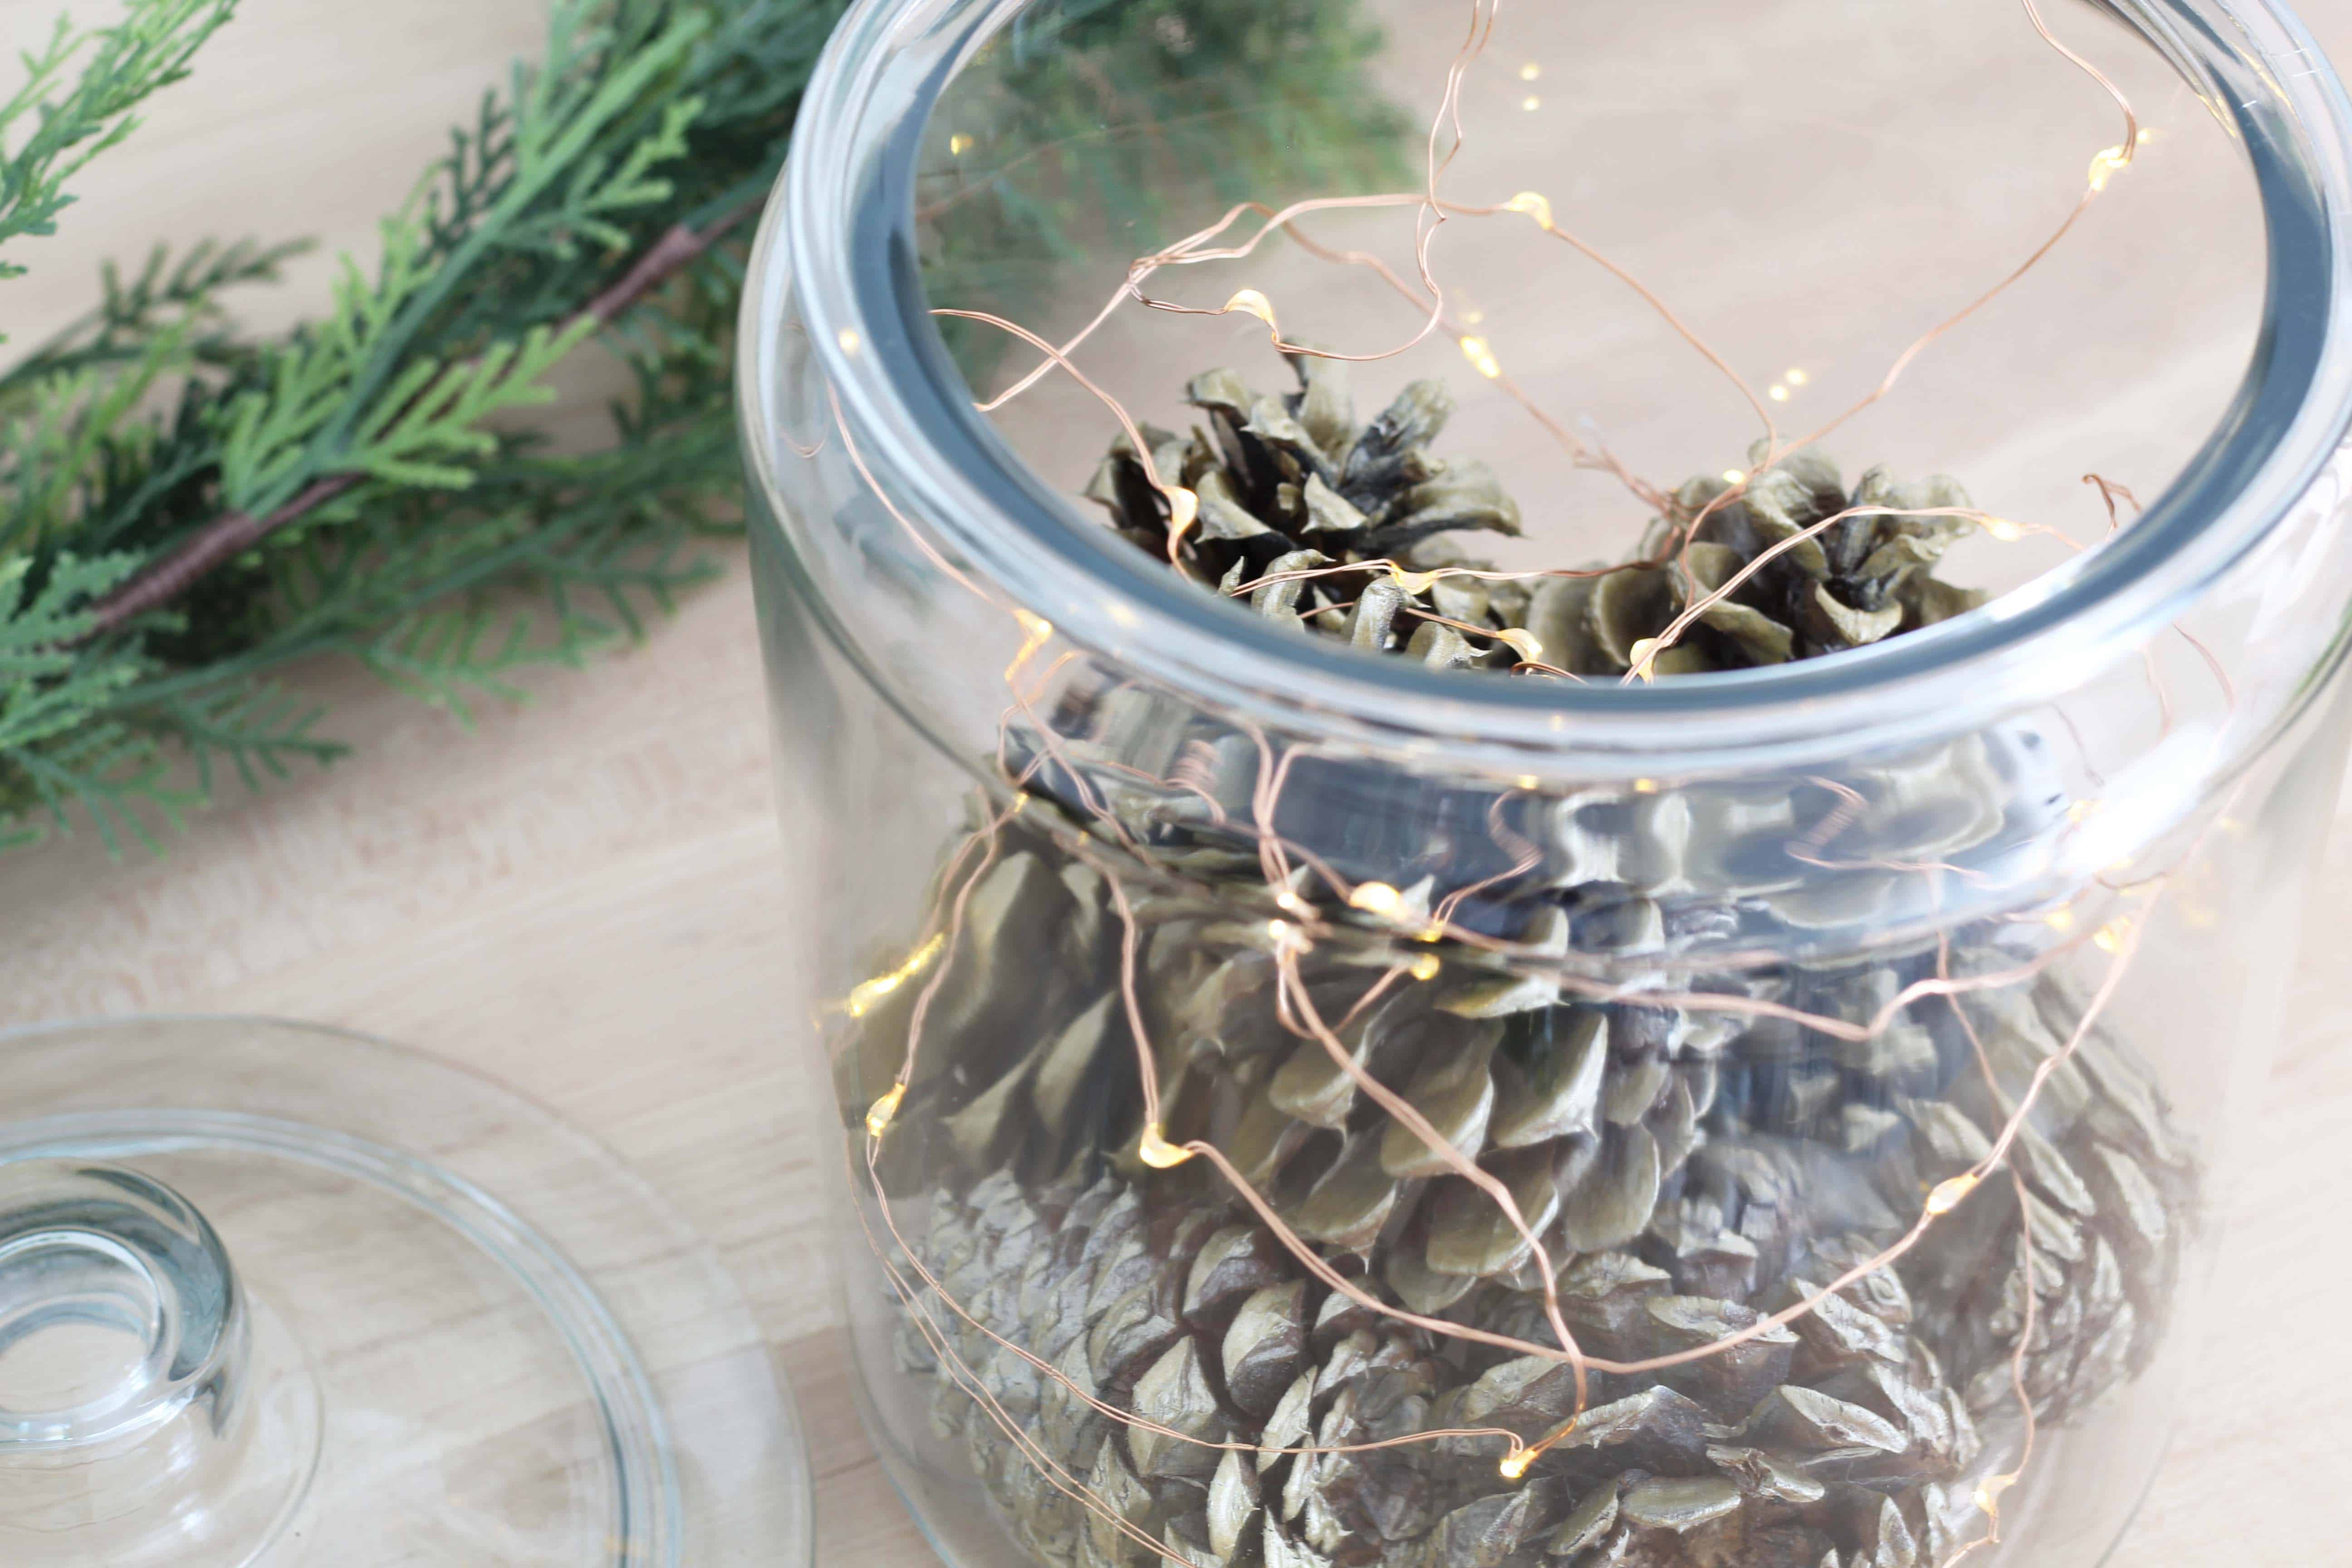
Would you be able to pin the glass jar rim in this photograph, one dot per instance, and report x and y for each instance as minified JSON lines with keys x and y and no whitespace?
{"x":838,"y":235}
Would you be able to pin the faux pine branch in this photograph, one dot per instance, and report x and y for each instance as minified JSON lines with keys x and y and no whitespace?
{"x":186,"y":511}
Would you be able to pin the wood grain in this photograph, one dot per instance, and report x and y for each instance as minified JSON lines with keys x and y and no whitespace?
{"x":587,"y":896}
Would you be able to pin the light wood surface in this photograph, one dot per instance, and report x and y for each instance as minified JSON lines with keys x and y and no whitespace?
{"x":588,"y":896}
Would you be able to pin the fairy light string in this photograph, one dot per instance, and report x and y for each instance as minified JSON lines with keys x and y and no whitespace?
{"x":2121,"y":936}
{"x":1300,"y":928}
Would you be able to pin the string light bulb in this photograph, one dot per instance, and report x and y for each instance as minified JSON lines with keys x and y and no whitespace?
{"x":1155,"y":1150}
{"x":1426,"y":967}
{"x":1250,"y":302}
{"x":1521,"y":641}
{"x":1037,"y":631}
{"x":1481,"y":355}
{"x":879,"y":1114}
{"x":1183,"y":508}
{"x":1515,"y":1463}
{"x":2110,"y":162}
{"x":1377,"y":899}
{"x":1534,"y":203}
{"x":866,"y":993}
{"x":1948,"y":1193}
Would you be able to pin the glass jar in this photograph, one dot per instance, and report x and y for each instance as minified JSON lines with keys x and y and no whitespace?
{"x":1301,"y":1106}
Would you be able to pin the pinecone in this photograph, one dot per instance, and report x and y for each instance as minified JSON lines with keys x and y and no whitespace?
{"x":1688,"y":1171}
{"x":1290,"y":483}
{"x":1792,"y":1451}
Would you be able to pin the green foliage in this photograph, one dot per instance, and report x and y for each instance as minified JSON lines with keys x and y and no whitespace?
{"x":148,"y":49}
{"x":54,"y":703}
{"x":462,"y":557}
{"x":163,"y":298}
{"x":458,"y":550}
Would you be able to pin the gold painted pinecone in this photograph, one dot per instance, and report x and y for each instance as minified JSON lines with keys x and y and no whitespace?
{"x":1688,"y":1171}
{"x":1291,"y":483}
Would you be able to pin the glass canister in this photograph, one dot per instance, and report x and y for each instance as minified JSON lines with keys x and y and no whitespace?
{"x":1597,"y":1071}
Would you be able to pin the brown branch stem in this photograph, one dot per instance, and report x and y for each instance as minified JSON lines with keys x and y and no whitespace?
{"x":232,"y":533}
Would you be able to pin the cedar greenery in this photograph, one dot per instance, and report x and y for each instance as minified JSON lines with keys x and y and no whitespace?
{"x":186,"y":511}
{"x":345,"y":489}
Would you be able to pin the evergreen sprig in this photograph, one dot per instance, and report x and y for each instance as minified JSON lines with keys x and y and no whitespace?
{"x":187,"y":512}
{"x":150,"y":48}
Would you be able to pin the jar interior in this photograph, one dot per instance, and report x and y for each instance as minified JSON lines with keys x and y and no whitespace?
{"x":1807,"y":195}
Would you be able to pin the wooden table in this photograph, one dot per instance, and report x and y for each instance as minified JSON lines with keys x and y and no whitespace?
{"x":587,"y":896}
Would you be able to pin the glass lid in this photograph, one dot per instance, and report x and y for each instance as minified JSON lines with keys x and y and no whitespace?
{"x":273,"y":1294}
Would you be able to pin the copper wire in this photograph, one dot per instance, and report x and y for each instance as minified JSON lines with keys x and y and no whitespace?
{"x":1295,"y":1007}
